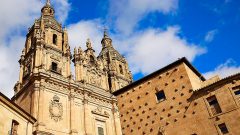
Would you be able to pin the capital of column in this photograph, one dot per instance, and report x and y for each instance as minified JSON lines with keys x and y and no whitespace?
{"x":71,"y":96}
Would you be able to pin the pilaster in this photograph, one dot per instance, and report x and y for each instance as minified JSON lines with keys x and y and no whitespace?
{"x":73,"y":128}
{"x":87,"y":116}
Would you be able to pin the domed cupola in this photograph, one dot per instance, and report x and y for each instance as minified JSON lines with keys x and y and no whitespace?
{"x":49,"y":18}
{"x":48,"y":10}
{"x":106,"y":41}
{"x":107,"y":48}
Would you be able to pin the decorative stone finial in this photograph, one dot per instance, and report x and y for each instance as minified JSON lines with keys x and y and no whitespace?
{"x":65,"y":29}
{"x":48,"y":2}
{"x":89,"y":44}
{"x":105,"y":33}
{"x":75,"y":50}
{"x":80,"y":51}
{"x":23,"y":52}
{"x":106,"y":41}
{"x":47,"y":9}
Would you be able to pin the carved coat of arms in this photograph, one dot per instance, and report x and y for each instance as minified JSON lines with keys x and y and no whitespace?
{"x":56,"y":109}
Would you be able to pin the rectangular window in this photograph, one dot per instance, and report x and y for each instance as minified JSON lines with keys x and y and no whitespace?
{"x":100,"y":131}
{"x":214,"y":105}
{"x":223,"y":128}
{"x":160,"y":96}
{"x":54,"y":66}
{"x":54,"y":39}
{"x":237,"y":92}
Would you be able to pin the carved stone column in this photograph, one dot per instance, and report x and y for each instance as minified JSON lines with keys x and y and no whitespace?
{"x":37,"y":105}
{"x":117,"y":124}
{"x":77,"y":72}
{"x":68,"y":70}
{"x":87,"y":116}
{"x":21,"y":67}
{"x":73,"y":127}
{"x":38,"y":57}
{"x":21,"y":74}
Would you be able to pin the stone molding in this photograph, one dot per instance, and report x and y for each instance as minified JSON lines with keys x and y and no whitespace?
{"x":101,"y":112}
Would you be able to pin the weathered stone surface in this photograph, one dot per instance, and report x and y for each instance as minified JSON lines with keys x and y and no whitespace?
{"x":185,"y":109}
{"x":62,"y":104}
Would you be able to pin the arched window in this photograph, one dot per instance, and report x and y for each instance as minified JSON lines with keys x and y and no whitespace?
{"x":121,"y":69}
{"x":14,"y":127}
{"x":92,"y":60}
{"x":100,"y":131}
{"x":54,"y":67}
{"x":54,"y":39}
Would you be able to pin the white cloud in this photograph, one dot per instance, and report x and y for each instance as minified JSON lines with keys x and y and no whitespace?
{"x":81,"y":31}
{"x":145,"y":51}
{"x":211,"y":35}
{"x":15,"y":17}
{"x":62,"y":8}
{"x":9,"y":68}
{"x":152,"y":49}
{"x":223,"y":70}
{"x":15,"y":14}
{"x":126,"y":14}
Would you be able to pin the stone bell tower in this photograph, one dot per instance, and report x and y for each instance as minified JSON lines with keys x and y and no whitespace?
{"x":45,"y":58}
{"x":46,"y":47}
{"x":115,"y":64}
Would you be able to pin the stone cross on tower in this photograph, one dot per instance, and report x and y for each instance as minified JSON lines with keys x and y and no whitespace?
{"x":105,"y":30}
{"x":48,"y":2}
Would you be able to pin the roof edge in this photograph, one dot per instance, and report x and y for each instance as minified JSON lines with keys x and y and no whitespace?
{"x":228,"y":78}
{"x":177,"y":62}
{"x":18,"y":109}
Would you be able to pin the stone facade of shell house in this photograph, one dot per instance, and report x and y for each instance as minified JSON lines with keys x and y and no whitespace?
{"x":178,"y":100}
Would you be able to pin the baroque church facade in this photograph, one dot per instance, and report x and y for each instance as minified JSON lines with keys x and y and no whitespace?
{"x":61,"y":104}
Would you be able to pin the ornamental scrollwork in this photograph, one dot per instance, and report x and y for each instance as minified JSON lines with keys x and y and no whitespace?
{"x":100,"y":111}
{"x":56,"y":109}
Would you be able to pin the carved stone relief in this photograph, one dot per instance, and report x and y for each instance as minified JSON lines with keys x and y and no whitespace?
{"x":100,"y":111}
{"x":56,"y":109}
{"x":55,"y":57}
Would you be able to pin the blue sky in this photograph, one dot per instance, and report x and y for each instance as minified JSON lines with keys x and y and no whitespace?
{"x":149,"y":33}
{"x":213,"y":25}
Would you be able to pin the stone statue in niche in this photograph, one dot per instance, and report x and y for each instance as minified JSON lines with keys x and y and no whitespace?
{"x":56,"y":109}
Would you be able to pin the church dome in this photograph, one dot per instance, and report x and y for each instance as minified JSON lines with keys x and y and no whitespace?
{"x":48,"y":10}
{"x":112,"y":52}
{"x":48,"y":17}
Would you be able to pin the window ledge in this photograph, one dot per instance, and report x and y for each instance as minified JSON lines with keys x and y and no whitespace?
{"x":160,"y":101}
{"x":219,"y":114}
